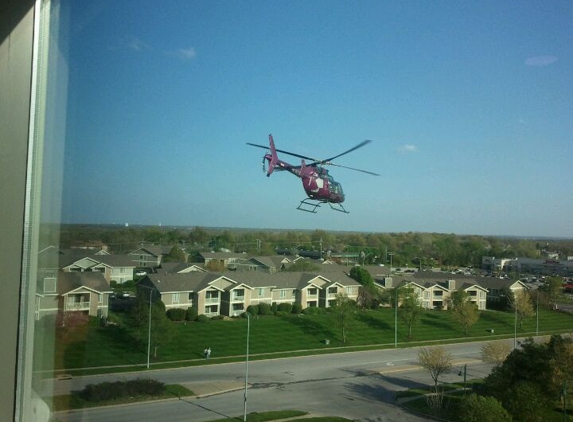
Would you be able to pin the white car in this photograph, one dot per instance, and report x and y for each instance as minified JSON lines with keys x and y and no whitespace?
{"x":141,"y":273}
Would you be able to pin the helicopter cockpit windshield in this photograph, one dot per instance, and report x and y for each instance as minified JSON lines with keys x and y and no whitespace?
{"x":334,"y":187}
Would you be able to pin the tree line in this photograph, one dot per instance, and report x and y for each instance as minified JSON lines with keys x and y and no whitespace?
{"x":413,"y":249}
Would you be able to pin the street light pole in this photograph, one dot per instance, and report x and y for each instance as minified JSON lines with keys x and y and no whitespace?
{"x":247,"y":367}
{"x":464,"y":372}
{"x":396,"y":318}
{"x":515,"y":323}
{"x":149,"y":329}
{"x":537,"y":315}
{"x":390,"y":254}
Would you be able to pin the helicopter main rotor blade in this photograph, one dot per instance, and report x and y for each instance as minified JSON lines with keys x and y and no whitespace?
{"x":328,"y":161}
{"x":352,"y":168}
{"x":284,"y":152}
{"x":360,"y":145}
{"x":258,"y":146}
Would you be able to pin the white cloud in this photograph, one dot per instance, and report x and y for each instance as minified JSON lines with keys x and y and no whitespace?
{"x":136,"y":44}
{"x":186,"y":53}
{"x":406,"y":149}
{"x":540,"y":61}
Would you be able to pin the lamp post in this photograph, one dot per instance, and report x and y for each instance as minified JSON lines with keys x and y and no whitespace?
{"x":390,"y":254}
{"x":537,"y":314}
{"x":515,"y":323}
{"x":149,"y":329}
{"x":247,"y":367}
{"x":464,"y":372}
{"x":396,"y":318}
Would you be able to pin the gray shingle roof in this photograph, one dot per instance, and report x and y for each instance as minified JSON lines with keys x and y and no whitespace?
{"x":71,"y":281}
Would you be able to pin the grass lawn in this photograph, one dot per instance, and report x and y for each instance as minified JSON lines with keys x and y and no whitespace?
{"x":95,"y":346}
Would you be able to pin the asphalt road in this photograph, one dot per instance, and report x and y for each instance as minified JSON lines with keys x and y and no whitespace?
{"x":358,"y":386}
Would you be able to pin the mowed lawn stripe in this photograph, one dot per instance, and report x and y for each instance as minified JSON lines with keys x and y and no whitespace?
{"x":97,"y":346}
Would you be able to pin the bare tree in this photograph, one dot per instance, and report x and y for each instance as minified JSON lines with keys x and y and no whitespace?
{"x":436,"y":360}
{"x":495,"y":351}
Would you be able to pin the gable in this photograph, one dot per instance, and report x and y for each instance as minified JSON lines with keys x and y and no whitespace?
{"x":318,"y":281}
{"x":83,"y":263}
{"x":222,"y":283}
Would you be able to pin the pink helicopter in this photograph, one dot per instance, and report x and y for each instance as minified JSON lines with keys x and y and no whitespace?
{"x":319,"y":186}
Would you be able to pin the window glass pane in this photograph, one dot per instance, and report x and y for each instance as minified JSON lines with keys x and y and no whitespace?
{"x":140,"y":114}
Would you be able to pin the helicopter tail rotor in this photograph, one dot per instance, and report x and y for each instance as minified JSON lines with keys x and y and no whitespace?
{"x":274,"y":157}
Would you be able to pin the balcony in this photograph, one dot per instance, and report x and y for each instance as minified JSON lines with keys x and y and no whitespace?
{"x":78,"y":306}
{"x":212,"y":300}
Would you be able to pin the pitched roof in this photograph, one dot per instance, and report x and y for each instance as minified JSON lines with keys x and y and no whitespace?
{"x":71,"y":281}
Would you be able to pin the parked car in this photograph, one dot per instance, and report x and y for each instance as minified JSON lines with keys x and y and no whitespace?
{"x":141,"y":273}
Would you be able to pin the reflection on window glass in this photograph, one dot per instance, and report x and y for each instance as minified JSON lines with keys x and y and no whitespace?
{"x":140,"y":183}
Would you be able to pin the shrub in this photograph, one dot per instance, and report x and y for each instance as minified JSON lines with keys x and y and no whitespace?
{"x":191,"y":314}
{"x":113,"y":284}
{"x":128,"y":283}
{"x":253,"y":310}
{"x":315,"y":310}
{"x":296,"y":308}
{"x":285,"y":307}
{"x":282,"y":313}
{"x":202,"y":318}
{"x":177,"y":314}
{"x":217,"y":317}
{"x":116,"y":390}
{"x":274,"y":308}
{"x":265,"y":309}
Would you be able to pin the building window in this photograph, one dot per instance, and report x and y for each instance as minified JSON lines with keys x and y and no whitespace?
{"x":283,"y":294}
{"x":175,"y":298}
{"x":332,"y":290}
{"x":50,"y":285}
{"x":261,"y":292}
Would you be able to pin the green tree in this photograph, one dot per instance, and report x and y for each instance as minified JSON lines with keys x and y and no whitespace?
{"x":410,"y":311}
{"x":344,"y":309}
{"x":199,"y":236}
{"x":522,"y":306}
{"x":175,"y":255}
{"x":552,"y":288}
{"x":304,"y":265}
{"x":523,"y":381}
{"x":474,"y":408}
{"x":526,"y":402}
{"x":161,"y":326}
{"x":361,"y":275}
{"x":368,"y":295}
{"x":464,"y":311}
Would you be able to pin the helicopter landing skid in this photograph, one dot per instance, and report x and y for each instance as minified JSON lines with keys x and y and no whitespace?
{"x":310,"y":205}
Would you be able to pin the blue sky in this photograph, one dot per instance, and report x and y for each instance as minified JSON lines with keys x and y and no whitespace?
{"x":469,"y":104}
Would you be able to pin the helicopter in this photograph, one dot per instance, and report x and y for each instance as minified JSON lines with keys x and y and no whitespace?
{"x":319,"y":185}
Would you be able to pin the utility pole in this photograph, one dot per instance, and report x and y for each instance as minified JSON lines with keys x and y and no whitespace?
{"x":396,"y":318}
{"x":247,"y":367}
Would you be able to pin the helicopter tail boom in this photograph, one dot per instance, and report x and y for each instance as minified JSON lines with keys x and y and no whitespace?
{"x":274,"y":157}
